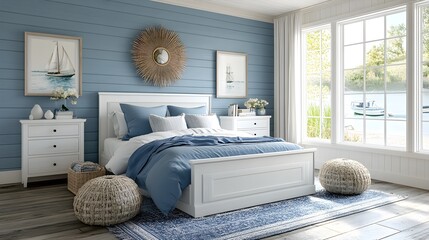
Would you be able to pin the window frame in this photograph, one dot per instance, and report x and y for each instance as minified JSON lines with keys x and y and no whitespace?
{"x":304,"y":32}
{"x":340,"y":75}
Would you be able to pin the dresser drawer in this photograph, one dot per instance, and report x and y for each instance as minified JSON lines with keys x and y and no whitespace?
{"x":52,"y":131}
{"x":246,"y":123}
{"x":41,"y":166}
{"x":53,"y":146}
{"x":255,"y":132}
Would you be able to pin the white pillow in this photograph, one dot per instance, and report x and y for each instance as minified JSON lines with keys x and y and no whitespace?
{"x":119,"y":124}
{"x":160,"y":124}
{"x":202,"y":121}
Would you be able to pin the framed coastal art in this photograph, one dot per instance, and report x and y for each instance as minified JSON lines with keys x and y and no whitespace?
{"x":231,"y":75}
{"x":52,"y":61}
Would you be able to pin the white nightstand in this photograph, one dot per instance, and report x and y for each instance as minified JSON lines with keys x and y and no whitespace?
{"x":50,"y":146}
{"x":255,"y":125}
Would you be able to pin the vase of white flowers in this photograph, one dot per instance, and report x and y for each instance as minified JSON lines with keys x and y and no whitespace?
{"x":65,"y":94}
{"x":251,"y":104}
{"x":260,"y":107}
{"x":258,"y":104}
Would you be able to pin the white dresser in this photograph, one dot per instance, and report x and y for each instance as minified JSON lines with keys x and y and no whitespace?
{"x":255,"y":125}
{"x":50,"y":146}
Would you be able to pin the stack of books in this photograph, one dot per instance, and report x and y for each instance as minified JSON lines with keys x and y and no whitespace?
{"x":233,"y":110}
{"x":64,"y":115}
{"x":246,"y":112}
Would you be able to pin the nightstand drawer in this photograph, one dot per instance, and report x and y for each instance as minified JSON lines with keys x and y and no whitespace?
{"x":54,"y":130}
{"x":255,"y":132}
{"x":53,"y":146}
{"x":245,"y":123}
{"x":40,"y":166}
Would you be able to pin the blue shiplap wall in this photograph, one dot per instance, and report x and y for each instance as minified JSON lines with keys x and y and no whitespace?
{"x":108,"y":28}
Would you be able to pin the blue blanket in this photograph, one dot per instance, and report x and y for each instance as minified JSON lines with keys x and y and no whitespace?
{"x":162,"y":167}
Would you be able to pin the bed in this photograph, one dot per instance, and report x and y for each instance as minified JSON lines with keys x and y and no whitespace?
{"x":218,"y":184}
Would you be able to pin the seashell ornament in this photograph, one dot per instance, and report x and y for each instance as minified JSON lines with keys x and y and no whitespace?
{"x":49,"y":115}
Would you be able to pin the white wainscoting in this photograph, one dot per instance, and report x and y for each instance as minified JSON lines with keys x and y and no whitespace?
{"x":10,"y":177}
{"x":401,"y":168}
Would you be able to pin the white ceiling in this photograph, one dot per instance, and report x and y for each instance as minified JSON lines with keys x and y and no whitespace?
{"x":263,"y":10}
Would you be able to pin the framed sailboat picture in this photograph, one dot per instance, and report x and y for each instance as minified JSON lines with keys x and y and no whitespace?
{"x":52,"y":61}
{"x":231,"y":75}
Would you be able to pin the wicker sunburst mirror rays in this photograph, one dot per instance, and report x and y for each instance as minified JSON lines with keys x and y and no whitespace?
{"x":159,"y":56}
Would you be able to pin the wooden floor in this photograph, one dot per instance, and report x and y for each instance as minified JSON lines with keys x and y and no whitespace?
{"x":44,"y":211}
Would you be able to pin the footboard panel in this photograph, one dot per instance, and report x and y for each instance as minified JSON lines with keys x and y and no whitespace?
{"x":225,"y":184}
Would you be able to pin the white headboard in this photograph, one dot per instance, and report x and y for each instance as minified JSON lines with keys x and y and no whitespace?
{"x":108,"y":102}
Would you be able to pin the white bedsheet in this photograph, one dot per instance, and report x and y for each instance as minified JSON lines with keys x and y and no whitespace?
{"x":111,"y":145}
{"x":119,"y":161}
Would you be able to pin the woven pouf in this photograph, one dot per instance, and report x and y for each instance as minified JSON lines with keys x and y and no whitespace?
{"x":107,"y":200}
{"x":344,"y":176}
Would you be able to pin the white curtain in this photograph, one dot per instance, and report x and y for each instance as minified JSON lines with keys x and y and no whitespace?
{"x":287,"y":77}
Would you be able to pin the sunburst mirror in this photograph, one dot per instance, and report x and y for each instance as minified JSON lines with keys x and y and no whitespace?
{"x":159,"y":56}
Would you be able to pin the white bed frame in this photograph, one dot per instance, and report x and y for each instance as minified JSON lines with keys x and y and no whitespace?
{"x":226,"y":183}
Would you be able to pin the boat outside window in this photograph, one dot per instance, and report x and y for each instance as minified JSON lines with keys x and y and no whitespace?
{"x":316,"y":62}
{"x":373,"y":71}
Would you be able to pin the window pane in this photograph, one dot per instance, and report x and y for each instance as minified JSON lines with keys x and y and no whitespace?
{"x":374,"y":107}
{"x":425,"y":74}
{"x":374,"y":79}
{"x":395,"y":24}
{"x":395,"y":50}
{"x":396,"y":78}
{"x":353,"y":80}
{"x":326,"y":40}
{"x":353,"y":57}
{"x":396,"y":133}
{"x":313,"y":62}
{"x":326,"y":127}
{"x":351,"y":105}
{"x":375,"y":132}
{"x":425,"y":47}
{"x":425,"y":135}
{"x":353,"y":33}
{"x":374,"y":53}
{"x":396,"y":105}
{"x":353,"y":130}
{"x":313,"y":41}
{"x":313,"y":127}
{"x":374,"y":29}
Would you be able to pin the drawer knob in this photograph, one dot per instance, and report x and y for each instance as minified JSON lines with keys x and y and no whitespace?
{"x":254,"y":123}
{"x":254,"y":134}
{"x":55,"y":130}
{"x":55,"y":146}
{"x":55,"y":164}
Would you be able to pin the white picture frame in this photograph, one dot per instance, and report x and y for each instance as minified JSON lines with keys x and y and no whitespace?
{"x":52,"y":61}
{"x":231,"y":74}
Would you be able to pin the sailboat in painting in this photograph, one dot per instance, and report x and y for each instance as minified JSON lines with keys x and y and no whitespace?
{"x":59,"y":64}
{"x":229,"y":77}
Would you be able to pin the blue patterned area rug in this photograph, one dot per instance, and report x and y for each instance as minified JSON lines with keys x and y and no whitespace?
{"x":250,"y":223}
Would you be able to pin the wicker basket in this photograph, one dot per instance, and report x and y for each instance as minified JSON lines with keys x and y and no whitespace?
{"x":75,"y":180}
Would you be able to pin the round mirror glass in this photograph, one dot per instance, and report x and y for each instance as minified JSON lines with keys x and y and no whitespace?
{"x":161,"y":56}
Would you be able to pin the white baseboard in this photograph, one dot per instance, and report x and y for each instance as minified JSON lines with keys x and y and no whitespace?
{"x":10,"y":177}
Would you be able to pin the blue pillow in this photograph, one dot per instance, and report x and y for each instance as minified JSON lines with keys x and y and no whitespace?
{"x":137,"y":119}
{"x":176,"y":111}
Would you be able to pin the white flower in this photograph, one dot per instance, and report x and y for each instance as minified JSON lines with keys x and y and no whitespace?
{"x":255,"y":103}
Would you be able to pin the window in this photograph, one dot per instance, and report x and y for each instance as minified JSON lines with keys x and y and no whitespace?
{"x":317,"y":74}
{"x":373,"y":71}
{"x":423,"y":75}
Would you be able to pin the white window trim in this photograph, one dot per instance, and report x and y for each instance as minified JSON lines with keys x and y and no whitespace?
{"x":413,"y":122}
